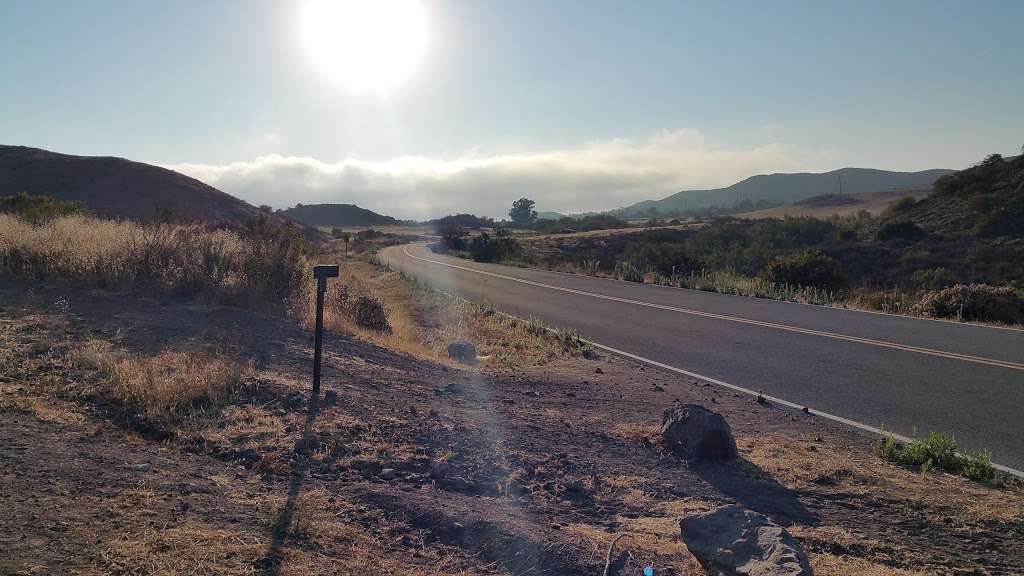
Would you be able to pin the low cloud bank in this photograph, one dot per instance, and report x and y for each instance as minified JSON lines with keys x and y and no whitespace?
{"x":597,"y":176}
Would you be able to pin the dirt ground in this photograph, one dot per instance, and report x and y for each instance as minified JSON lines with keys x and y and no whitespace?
{"x":413,"y":467}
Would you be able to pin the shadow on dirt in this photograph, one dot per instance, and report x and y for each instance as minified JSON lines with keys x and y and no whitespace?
{"x":748,"y":485}
{"x":270,"y":564}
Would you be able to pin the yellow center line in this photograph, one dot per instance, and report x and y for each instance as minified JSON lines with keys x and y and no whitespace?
{"x":786,"y":327}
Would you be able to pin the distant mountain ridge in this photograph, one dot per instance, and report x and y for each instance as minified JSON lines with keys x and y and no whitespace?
{"x":115,"y":187}
{"x":336,"y":215}
{"x":784,"y":188}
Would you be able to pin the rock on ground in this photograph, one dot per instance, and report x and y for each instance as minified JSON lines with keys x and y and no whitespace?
{"x":734,"y":541}
{"x":693,"y":431}
{"x":462,"y":351}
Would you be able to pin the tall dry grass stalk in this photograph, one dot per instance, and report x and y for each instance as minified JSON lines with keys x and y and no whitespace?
{"x":263,"y":268}
{"x":168,"y":385}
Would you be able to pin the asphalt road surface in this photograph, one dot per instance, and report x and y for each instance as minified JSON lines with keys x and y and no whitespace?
{"x":872,"y":370}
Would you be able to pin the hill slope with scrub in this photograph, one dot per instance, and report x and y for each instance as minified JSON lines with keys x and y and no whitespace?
{"x":116,"y":188}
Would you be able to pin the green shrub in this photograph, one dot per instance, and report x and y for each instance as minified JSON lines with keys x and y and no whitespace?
{"x":809,"y":267}
{"x":276,"y":261}
{"x":936,"y":452}
{"x":628,"y":271}
{"x":38,"y":209}
{"x":485,"y":248}
{"x":974,"y":302}
{"x":572,"y":343}
{"x":933,"y":279}
{"x":900,"y":230}
{"x":904,"y":205}
{"x":978,"y":466}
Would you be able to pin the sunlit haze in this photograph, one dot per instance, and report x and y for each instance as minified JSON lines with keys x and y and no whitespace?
{"x":367,"y":45}
{"x":418,"y":108}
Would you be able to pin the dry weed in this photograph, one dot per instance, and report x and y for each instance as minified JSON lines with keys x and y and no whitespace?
{"x":190,"y":548}
{"x":167,"y":385}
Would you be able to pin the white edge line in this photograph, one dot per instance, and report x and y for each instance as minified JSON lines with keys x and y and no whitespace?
{"x":826,"y":415}
{"x":825,"y":306}
{"x":852,"y":423}
{"x":810,"y":331}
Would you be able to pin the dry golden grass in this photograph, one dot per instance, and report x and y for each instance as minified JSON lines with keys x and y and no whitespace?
{"x":114,"y":253}
{"x":790,"y":461}
{"x":167,"y":385}
{"x":47,"y":410}
{"x":637,"y":431}
{"x":265,"y":268}
{"x":189,"y":548}
{"x":830,"y":565}
{"x":423,"y":322}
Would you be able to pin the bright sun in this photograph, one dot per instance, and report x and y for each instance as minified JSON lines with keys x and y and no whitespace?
{"x":366,"y":44}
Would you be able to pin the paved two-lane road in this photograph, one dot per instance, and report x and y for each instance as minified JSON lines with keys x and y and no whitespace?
{"x":874,"y":369}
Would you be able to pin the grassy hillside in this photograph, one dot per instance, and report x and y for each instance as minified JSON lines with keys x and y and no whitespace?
{"x":783,"y":188}
{"x":827,"y":205}
{"x":115,"y":187}
{"x":911,"y":258}
{"x":337,"y":215}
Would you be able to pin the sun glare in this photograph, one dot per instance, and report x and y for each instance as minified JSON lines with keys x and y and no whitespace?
{"x":365,"y":44}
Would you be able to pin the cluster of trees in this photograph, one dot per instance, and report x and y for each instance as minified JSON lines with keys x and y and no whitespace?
{"x":523,"y":215}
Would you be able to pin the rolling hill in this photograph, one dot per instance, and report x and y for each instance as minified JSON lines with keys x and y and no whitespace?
{"x":115,"y":187}
{"x":336,"y":215}
{"x":835,"y":205}
{"x":784,"y":188}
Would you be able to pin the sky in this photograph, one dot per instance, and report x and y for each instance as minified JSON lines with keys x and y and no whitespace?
{"x":579,"y":105}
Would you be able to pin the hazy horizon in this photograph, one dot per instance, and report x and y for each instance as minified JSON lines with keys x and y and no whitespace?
{"x":580,"y":105}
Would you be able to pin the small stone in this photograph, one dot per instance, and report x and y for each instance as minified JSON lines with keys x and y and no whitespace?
{"x":330,"y":397}
{"x":462,"y":351}
{"x":598,"y":371}
{"x":693,"y":431}
{"x":659,"y":388}
{"x":144,"y":467}
{"x":388,"y":474}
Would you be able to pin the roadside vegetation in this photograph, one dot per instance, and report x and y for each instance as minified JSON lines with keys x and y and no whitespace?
{"x":956,"y":254}
{"x":408,"y":467}
{"x":256,"y":265}
{"x":400,"y":312}
{"x":167,"y":387}
{"x":937,"y":451}
{"x":262,"y":266}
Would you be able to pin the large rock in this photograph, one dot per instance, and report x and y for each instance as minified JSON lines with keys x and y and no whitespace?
{"x":462,"y":351}
{"x":693,"y":431}
{"x":732,"y":541}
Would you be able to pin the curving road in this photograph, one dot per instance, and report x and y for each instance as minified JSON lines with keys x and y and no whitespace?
{"x":860,"y":368}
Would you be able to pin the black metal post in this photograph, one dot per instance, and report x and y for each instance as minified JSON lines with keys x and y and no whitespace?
{"x":318,"y":344}
{"x":322,"y":273}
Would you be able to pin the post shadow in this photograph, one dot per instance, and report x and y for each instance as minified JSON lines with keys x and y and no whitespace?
{"x":270,"y":563}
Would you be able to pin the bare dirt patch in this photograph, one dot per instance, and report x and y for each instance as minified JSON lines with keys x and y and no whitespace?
{"x":415,"y":467}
